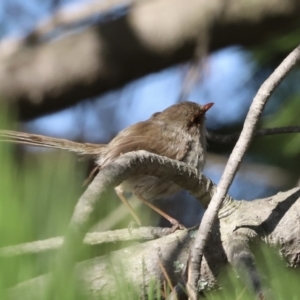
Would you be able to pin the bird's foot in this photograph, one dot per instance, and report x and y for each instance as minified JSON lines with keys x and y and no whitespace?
{"x":176,"y":225}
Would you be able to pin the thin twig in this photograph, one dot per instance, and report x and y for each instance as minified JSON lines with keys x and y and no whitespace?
{"x":93,"y":238}
{"x":231,"y":168}
{"x":197,"y":65}
{"x":167,"y":277}
{"x":232,"y":138}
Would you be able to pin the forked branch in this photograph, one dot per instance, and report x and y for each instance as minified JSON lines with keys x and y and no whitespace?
{"x":234,"y":161}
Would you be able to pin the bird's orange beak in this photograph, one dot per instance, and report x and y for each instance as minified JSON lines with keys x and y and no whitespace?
{"x":207,"y":106}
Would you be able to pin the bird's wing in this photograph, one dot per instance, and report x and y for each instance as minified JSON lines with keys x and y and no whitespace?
{"x":155,"y":137}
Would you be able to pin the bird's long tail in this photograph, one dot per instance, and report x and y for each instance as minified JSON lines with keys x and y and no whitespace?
{"x":49,"y":142}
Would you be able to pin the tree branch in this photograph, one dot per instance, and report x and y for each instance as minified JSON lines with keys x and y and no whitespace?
{"x":72,"y":14}
{"x":232,"y":138}
{"x":137,"y":163}
{"x":93,"y":238}
{"x":234,"y":161}
{"x":272,"y":220}
{"x":239,"y":221}
{"x":48,"y":77}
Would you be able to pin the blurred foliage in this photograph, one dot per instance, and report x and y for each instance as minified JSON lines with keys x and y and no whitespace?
{"x":276,"y":48}
{"x":37,"y":197}
{"x":284,"y":149}
{"x":283,"y":108}
{"x":36,"y":202}
{"x":279,"y":282}
{"x":38,"y":192}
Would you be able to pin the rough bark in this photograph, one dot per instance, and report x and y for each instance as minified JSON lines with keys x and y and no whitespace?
{"x":274,"y":220}
{"x":154,"y":35}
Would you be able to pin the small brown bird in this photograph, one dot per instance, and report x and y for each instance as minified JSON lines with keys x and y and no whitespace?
{"x":178,"y":132}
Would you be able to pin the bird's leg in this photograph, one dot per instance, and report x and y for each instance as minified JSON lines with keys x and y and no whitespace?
{"x":174,"y":222}
{"x":119,"y":192}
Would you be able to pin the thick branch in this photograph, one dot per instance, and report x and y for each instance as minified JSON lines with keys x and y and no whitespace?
{"x":152,"y":36}
{"x":273,"y":219}
{"x":137,"y":163}
{"x":68,"y":16}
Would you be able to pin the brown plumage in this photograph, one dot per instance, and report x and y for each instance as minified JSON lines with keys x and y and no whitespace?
{"x":178,"y":132}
